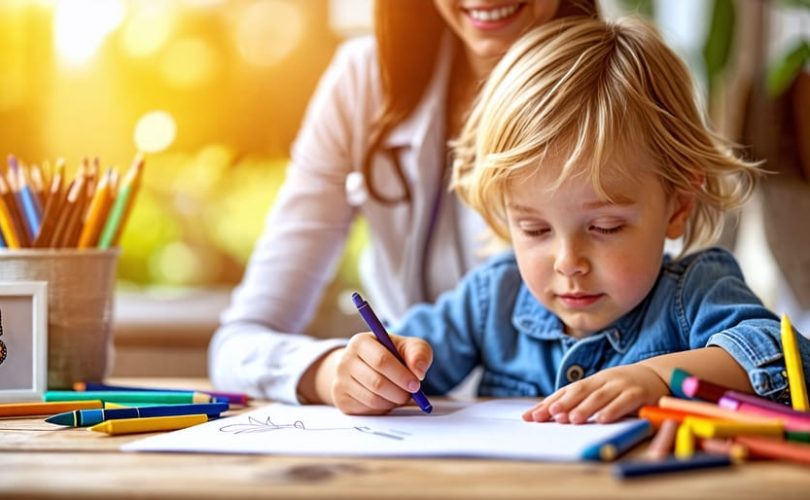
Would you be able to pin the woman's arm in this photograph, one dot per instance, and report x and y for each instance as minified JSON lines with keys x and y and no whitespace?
{"x":301,"y":245}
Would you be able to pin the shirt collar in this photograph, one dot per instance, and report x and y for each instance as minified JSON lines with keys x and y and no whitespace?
{"x":534,"y":320}
{"x":430,"y":110}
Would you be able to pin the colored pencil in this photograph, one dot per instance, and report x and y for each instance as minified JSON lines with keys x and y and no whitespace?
{"x":97,"y":212}
{"x":684,"y":441}
{"x":615,"y":446}
{"x":676,"y":382}
{"x":7,"y":223}
{"x":762,"y":447}
{"x":53,"y":206}
{"x":701,"y":408}
{"x":726,"y":428}
{"x":728,"y":447}
{"x":149,"y":424}
{"x":627,"y":470}
{"x":236,"y":398}
{"x":701,"y":389}
{"x":29,"y":203}
{"x":751,"y":405}
{"x":86,"y":418}
{"x":122,"y":205}
{"x":132,"y":397}
{"x":39,"y":408}
{"x":661,"y":444}
{"x":10,"y":199}
{"x":793,"y":364}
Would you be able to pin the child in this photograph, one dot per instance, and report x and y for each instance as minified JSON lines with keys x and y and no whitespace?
{"x":586,"y":150}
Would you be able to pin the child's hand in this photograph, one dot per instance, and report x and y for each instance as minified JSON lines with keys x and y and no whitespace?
{"x":609,"y":394}
{"x":369,"y":380}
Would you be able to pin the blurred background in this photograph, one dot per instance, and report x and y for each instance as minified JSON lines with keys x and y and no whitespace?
{"x":213,"y":92}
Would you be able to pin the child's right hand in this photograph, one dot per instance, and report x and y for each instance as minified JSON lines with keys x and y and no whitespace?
{"x":369,"y":380}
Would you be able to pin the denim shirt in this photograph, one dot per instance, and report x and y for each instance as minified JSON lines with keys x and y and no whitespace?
{"x":493,"y":321}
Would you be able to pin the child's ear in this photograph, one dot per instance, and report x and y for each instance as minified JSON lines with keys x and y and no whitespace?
{"x":682,"y":203}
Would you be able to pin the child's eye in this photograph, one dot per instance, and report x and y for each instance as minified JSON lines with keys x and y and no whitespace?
{"x":533,"y":231}
{"x":607,"y":230}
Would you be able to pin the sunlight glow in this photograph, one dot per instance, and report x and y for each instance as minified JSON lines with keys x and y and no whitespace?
{"x":189,"y":62}
{"x":80,"y":27}
{"x":147,"y":30}
{"x":266,"y":32}
{"x":155,"y":131}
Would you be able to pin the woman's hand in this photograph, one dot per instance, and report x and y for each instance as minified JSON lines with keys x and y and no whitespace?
{"x":368,"y":380}
{"x":608,"y":395}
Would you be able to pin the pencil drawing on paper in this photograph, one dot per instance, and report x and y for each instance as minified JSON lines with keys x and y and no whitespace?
{"x":3,"y":348}
{"x":255,"y":425}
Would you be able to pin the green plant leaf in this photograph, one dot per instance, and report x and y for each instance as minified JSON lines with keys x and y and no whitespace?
{"x":782,"y":73}
{"x":720,"y":38}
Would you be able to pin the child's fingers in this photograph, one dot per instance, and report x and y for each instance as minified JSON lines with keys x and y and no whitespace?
{"x":378,"y":391}
{"x":382,"y":361}
{"x":541,"y":413}
{"x":624,"y":404}
{"x":594,"y":402}
{"x":417,"y":353}
{"x":348,"y":404}
{"x":570,"y":396}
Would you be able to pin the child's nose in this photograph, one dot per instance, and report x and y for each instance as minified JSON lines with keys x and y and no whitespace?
{"x":570,"y":259}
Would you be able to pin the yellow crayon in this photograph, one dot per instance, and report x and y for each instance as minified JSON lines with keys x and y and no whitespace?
{"x":793,"y":363}
{"x":148,"y":424}
{"x":684,"y":442}
{"x":706,"y":428}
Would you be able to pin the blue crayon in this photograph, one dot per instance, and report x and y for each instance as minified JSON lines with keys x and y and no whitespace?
{"x":86,"y":418}
{"x":615,"y":446}
{"x":627,"y":470}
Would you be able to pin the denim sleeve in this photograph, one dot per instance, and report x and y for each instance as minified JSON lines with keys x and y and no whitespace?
{"x":453,"y":327}
{"x":719,"y":309}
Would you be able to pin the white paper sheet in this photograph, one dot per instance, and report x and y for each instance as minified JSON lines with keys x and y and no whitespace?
{"x":491,"y":429}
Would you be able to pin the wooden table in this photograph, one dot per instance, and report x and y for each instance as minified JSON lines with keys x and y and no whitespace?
{"x":39,"y":460}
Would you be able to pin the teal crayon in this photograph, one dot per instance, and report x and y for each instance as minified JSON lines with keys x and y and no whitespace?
{"x":132,"y":397}
{"x":615,"y":446}
{"x":232,"y":397}
{"x":676,"y":383}
{"x":86,"y":418}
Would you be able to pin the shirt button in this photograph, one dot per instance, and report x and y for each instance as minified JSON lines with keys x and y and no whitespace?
{"x":574,"y":373}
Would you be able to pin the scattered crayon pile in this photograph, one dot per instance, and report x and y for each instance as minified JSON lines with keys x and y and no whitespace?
{"x":39,"y":208}
{"x":705,"y":425}
{"x":117,"y":410}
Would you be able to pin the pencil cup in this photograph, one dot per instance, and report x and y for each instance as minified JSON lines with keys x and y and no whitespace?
{"x":81,"y":285}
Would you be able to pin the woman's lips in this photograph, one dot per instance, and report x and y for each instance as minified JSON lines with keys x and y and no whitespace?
{"x":493,"y":18}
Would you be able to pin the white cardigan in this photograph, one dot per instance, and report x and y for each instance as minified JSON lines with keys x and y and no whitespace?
{"x":258,"y":348}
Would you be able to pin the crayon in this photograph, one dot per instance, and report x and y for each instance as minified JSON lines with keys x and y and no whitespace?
{"x":676,"y":382}
{"x":760,"y":407}
{"x":703,"y":409}
{"x":232,"y":397}
{"x":662,"y":443}
{"x":615,"y":446}
{"x":762,"y":447}
{"x":726,"y":428}
{"x":149,"y":424}
{"x":132,"y":397}
{"x":735,"y":451}
{"x":40,"y":408}
{"x":701,"y":389}
{"x":627,"y":470}
{"x":657,"y":415}
{"x":684,"y":441}
{"x":86,"y":418}
{"x":793,"y":364}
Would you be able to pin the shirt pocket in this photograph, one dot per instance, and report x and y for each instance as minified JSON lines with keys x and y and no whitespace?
{"x":498,"y":385}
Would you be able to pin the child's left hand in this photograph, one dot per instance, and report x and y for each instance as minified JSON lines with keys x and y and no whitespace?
{"x":609,"y":394}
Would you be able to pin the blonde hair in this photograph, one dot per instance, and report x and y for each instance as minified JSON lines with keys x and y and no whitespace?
{"x":584,"y":90}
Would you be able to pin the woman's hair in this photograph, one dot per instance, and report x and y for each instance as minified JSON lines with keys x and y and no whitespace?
{"x":585,"y":91}
{"x":407,"y":60}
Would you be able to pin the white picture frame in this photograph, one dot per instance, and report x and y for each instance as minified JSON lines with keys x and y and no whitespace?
{"x":24,"y":349}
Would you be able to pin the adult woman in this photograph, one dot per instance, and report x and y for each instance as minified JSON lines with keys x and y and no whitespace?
{"x":374,"y":143}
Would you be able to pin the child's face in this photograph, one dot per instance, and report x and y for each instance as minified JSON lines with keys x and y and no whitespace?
{"x":586,"y":260}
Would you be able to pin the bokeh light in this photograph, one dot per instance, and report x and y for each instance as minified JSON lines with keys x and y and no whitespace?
{"x":266,"y":32}
{"x":155,"y":131}
{"x":147,"y":30}
{"x":189,"y":62}
{"x":80,"y":27}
